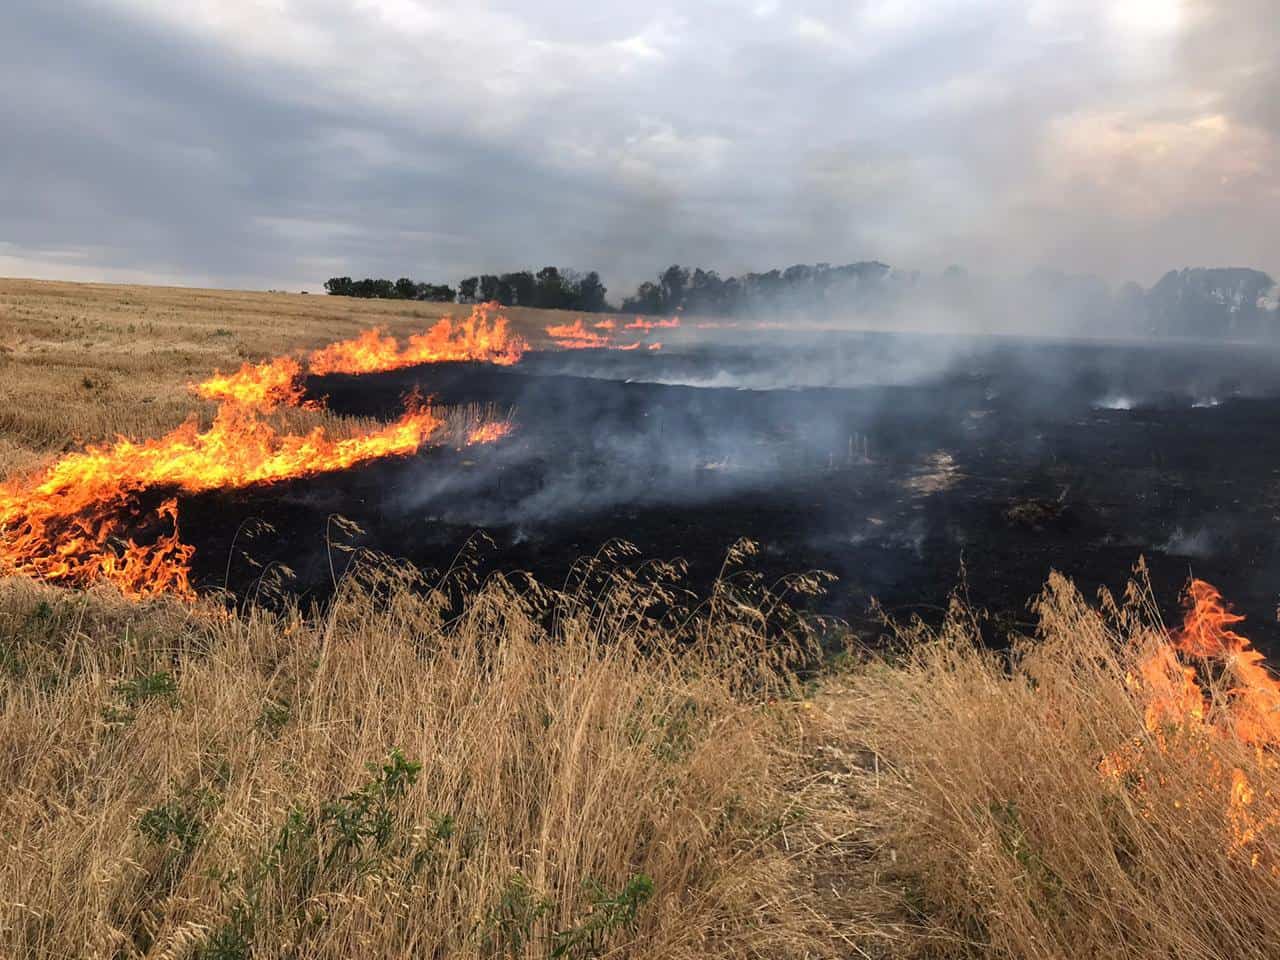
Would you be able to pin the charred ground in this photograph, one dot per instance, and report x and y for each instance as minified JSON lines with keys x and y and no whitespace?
{"x":1002,"y":458}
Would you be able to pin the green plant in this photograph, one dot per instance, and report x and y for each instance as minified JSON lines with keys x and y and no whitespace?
{"x":273,"y":717}
{"x":609,"y":914}
{"x":509,"y":924}
{"x":231,"y":941}
{"x":173,"y":820}
{"x":159,"y":685}
{"x":367,"y":814}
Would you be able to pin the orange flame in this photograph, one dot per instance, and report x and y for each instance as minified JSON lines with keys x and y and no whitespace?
{"x":640,"y":323}
{"x":489,"y":432}
{"x":577,"y":336}
{"x":1253,"y":707}
{"x":263,"y":386}
{"x":67,"y":525}
{"x":1178,"y":710}
{"x":480,"y":337}
{"x":71,"y":524}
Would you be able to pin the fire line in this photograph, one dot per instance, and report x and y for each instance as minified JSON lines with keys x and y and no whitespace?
{"x":77,"y":521}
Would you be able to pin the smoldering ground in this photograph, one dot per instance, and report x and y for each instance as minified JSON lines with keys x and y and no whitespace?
{"x":1002,"y":457}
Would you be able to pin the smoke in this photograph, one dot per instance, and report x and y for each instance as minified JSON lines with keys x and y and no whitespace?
{"x":603,"y":433}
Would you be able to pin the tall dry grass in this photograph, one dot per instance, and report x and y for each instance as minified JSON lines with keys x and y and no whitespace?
{"x":1001,"y":832}
{"x":611,"y":768}
{"x":422,"y":769}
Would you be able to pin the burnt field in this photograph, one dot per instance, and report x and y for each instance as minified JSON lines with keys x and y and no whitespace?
{"x":893,"y":462}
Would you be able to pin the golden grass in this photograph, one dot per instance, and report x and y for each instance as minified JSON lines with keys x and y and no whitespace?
{"x":596,"y":778}
{"x":1005,"y":837}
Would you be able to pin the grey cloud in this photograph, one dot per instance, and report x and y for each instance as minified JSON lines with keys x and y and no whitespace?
{"x":735,"y":135}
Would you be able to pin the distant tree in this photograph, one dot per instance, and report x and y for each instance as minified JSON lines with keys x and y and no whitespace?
{"x":520,"y":289}
{"x":406,"y":289}
{"x":591,"y":293}
{"x":672,"y":284}
{"x":550,"y":289}
{"x":798,"y":284}
{"x":433,"y":292}
{"x":706,"y":292}
{"x":489,"y":285}
{"x":731,"y":296}
{"x":467,"y":290}
{"x":338,"y":286}
{"x":647,"y":299}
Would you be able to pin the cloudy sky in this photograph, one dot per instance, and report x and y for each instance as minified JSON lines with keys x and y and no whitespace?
{"x":274,"y":143}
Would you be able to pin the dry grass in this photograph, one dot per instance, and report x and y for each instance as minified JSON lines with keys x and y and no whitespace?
{"x":1003,"y":836}
{"x":595,"y":777}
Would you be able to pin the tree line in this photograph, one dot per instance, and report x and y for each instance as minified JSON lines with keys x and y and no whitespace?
{"x":675,"y":289}
{"x":1237,"y":303}
{"x":679,"y":289}
{"x":402,"y":289}
{"x":551,"y":288}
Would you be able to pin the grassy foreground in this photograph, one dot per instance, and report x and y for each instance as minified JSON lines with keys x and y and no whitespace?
{"x":517,"y":773}
{"x":497,"y":770}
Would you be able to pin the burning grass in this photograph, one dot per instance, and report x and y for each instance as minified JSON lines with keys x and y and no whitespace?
{"x":1098,"y":792}
{"x":600,"y":335}
{"x":85,"y":363}
{"x":610,"y":769}
{"x":79,"y":519}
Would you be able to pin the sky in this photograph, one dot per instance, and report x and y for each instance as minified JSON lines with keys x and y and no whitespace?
{"x":275,"y":143}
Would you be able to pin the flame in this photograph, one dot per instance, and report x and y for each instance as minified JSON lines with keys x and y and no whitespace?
{"x":68,"y":524}
{"x":489,"y":432}
{"x":77,"y":522}
{"x":263,"y":386}
{"x":640,"y":323}
{"x":577,"y":336}
{"x":1179,"y":714}
{"x":1253,"y":700}
{"x":483,"y":336}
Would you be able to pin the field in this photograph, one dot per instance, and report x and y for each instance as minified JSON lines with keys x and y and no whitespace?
{"x":85,"y":362}
{"x":626,"y":757}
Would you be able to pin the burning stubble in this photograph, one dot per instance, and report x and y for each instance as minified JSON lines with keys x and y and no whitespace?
{"x":76,"y":522}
